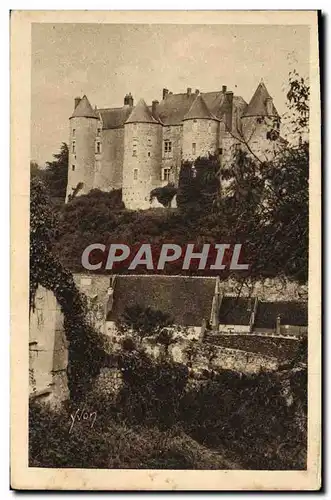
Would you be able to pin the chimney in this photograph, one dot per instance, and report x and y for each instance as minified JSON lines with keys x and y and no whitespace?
{"x":188,"y":91}
{"x":77,"y":101}
{"x":154,"y":106}
{"x":165,"y":92}
{"x":197,"y":91}
{"x":223,"y":89}
{"x":128,"y":100}
{"x":228,"y":109}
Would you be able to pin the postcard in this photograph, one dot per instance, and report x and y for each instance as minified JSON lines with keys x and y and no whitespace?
{"x":166,"y":250}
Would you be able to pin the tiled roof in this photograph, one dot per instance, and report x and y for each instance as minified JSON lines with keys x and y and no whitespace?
{"x":235,"y":311}
{"x":198,"y":110}
{"x":141,"y":114}
{"x":291,"y":313}
{"x":188,"y":300}
{"x":84,"y":109}
{"x":258,"y":104}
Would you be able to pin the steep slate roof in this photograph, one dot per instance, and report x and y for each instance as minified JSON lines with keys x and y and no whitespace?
{"x":258,"y":104}
{"x":84,"y":109}
{"x":235,"y":311}
{"x":141,"y":114}
{"x":172,"y":109}
{"x":115,"y":117}
{"x":199,"y":110}
{"x":188,"y":300}
{"x":291,"y":313}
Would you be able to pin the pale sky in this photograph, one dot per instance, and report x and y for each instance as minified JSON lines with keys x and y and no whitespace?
{"x":107,"y":61}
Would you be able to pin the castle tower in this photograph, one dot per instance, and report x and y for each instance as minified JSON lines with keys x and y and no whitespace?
{"x":142,"y":157}
{"x":200,"y":131}
{"x":82,"y":147}
{"x":261,"y":122}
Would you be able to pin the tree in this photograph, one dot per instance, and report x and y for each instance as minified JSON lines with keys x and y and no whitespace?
{"x":57,"y":173}
{"x":143,"y":322}
{"x":164,"y":195}
{"x":199,"y":184}
{"x":267,"y":203}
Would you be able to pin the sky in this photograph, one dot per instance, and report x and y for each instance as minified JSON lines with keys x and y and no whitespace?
{"x":106,"y":61}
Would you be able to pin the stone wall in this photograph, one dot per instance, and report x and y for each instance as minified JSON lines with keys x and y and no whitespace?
{"x":173,"y":159}
{"x":270,"y":289}
{"x":204,"y":134}
{"x":109,"y":169}
{"x":142,"y":163}
{"x":82,"y":159}
{"x":48,"y":355}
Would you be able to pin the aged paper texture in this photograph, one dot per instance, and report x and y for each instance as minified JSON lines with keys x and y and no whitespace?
{"x":166,"y":250}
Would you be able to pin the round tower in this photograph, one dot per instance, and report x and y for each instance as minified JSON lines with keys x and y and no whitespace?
{"x":142,"y":157}
{"x":82,"y":148}
{"x":261,"y":122}
{"x":200,"y":131}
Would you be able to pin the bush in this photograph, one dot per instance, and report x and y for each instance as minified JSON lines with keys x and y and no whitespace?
{"x":152,"y":391}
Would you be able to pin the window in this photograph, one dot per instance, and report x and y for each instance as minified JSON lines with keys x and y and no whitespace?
{"x":194,"y":148}
{"x":135,"y":174}
{"x":98,"y":147}
{"x":74,"y":147}
{"x":73,"y":132}
{"x":149,"y":153}
{"x":134,"y":152}
{"x":166,"y":174}
{"x":73,"y":167}
{"x":99,"y":131}
{"x":220,"y":151}
{"x":167,"y":146}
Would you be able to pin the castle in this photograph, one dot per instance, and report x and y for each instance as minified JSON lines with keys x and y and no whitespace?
{"x":140,"y":148}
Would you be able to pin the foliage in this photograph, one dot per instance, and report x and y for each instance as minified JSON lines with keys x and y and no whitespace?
{"x":110,"y":444}
{"x":152,"y":391}
{"x":164,"y":195}
{"x":56,"y":173}
{"x":143,"y":322}
{"x":199,"y":184}
{"x":298,"y":98}
{"x":86,"y":354}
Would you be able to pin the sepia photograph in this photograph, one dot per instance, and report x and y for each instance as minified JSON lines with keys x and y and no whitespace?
{"x":171,"y":290}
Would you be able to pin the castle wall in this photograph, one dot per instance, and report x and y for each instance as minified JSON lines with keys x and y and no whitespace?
{"x":109,"y":164}
{"x":255,"y":131}
{"x":172,"y":160}
{"x":202,"y":133}
{"x":81,"y":154}
{"x":142,"y":163}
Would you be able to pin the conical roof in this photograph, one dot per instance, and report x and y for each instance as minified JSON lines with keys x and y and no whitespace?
{"x":198,"y":110}
{"x":141,"y":114}
{"x":84,"y":109}
{"x":258,"y":104}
